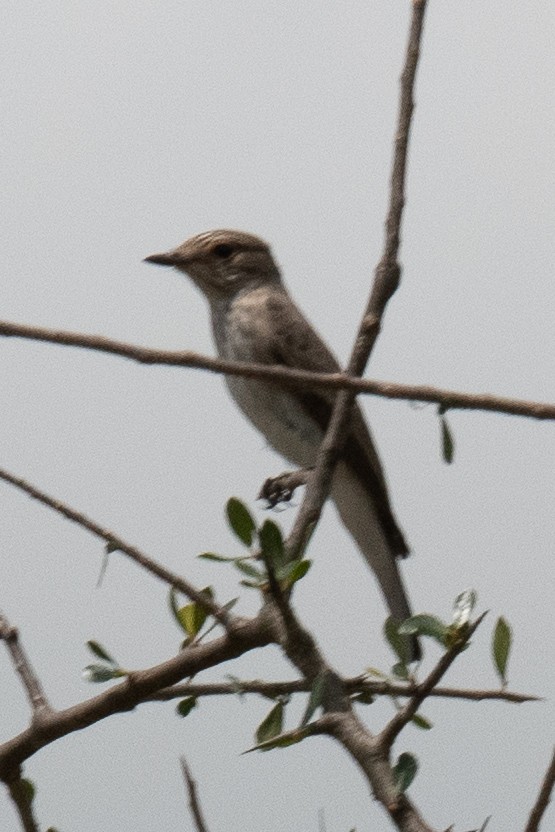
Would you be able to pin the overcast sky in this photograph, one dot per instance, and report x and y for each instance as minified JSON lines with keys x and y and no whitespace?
{"x":128,"y":127}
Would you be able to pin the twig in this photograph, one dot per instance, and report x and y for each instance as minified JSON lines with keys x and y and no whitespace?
{"x":449,"y":399}
{"x":21,"y":794}
{"x":386,"y":281}
{"x":117,"y":543}
{"x":543,"y":798}
{"x":402,"y":717}
{"x":31,"y":683}
{"x":358,"y":684}
{"x":136,"y":688}
{"x":193,"y":798}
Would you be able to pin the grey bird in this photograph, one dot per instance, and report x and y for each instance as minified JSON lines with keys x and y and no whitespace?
{"x":254,"y":319}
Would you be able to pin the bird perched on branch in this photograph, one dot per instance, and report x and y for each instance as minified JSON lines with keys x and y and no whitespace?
{"x":255,"y":320}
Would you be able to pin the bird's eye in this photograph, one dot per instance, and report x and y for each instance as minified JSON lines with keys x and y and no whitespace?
{"x":223,"y":250}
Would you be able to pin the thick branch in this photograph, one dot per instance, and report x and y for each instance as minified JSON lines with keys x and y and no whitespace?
{"x":543,"y":798}
{"x":21,"y":795}
{"x":449,"y":399}
{"x":136,"y":688}
{"x":117,"y":543}
{"x":31,"y":682}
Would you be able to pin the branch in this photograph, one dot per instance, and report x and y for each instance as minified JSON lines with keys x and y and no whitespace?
{"x":136,"y":688}
{"x":449,"y":399}
{"x":543,"y":798}
{"x":21,"y":793}
{"x":423,"y":690}
{"x":193,"y":799}
{"x":358,"y":684}
{"x":117,"y":543}
{"x":386,"y":280}
{"x":31,"y":683}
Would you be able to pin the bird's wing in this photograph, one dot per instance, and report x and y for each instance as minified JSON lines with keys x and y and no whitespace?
{"x":294,"y":343}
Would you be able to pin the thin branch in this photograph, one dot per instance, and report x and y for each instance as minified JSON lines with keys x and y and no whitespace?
{"x":544,"y":796}
{"x":117,"y":543}
{"x":358,"y":684}
{"x":386,"y":280}
{"x":449,"y":399}
{"x":137,"y":687}
{"x":423,"y":690}
{"x":33,"y":688}
{"x":193,"y":797}
{"x":21,"y":793}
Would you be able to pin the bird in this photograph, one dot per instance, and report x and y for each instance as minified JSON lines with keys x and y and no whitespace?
{"x":255,"y":320}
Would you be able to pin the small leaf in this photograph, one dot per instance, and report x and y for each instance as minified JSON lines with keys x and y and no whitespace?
{"x":272,"y":725}
{"x":315,"y":699}
{"x":240,"y":520}
{"x":285,"y":741}
{"x":27,"y":789}
{"x":405,"y":770}
{"x":447,"y":441}
{"x":192,"y":617}
{"x":253,"y":584}
{"x":213,"y":556}
{"x":248,"y":569}
{"x":398,"y":643}
{"x":293,"y":572}
{"x":101,"y":673}
{"x":186,"y":705}
{"x":425,"y":625}
{"x":462,"y":607}
{"x":99,"y":651}
{"x":501,"y":647}
{"x":271,"y":543}
{"x":364,"y":698}
{"x":421,"y":722}
{"x":377,"y":674}
{"x":400,"y":671}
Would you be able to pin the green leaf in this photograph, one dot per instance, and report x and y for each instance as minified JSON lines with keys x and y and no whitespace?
{"x":272,"y":725}
{"x":251,"y":571}
{"x":501,"y":647}
{"x":364,"y":698}
{"x":293,"y":572}
{"x":405,"y":770}
{"x":425,"y":625}
{"x":271,"y":543}
{"x":27,"y":789}
{"x":421,"y":722}
{"x":101,"y":673}
{"x":285,"y":741}
{"x":192,"y":616}
{"x":186,"y":705}
{"x":398,"y":643}
{"x":240,"y":520}
{"x":400,"y":671}
{"x":315,"y":699}
{"x":101,"y":653}
{"x":213,"y":556}
{"x":447,"y":440}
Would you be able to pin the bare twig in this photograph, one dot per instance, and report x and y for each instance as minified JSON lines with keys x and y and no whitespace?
{"x":404,"y":716}
{"x":117,"y":543}
{"x":358,"y":684}
{"x":386,"y":281}
{"x":449,"y":399}
{"x":543,"y":798}
{"x":31,"y":683}
{"x":194,"y":804}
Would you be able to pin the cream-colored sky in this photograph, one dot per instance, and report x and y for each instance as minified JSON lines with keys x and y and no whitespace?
{"x":130,"y":126}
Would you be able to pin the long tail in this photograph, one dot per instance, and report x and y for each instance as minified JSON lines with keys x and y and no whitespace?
{"x":357,"y":513}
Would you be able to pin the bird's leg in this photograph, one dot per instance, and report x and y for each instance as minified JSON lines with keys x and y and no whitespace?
{"x":280,"y":489}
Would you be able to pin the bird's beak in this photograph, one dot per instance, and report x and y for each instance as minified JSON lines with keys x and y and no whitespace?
{"x":168,"y":259}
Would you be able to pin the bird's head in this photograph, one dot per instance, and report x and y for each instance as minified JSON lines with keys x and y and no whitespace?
{"x":223,"y":262}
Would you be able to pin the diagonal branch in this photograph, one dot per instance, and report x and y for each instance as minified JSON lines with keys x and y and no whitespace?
{"x":21,"y":793}
{"x":543,"y":798}
{"x":386,"y":281}
{"x":193,"y":797}
{"x":31,"y":682}
{"x":117,"y":543}
{"x":449,"y":399}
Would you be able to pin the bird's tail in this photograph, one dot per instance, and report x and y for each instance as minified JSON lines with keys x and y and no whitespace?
{"x":357,"y":513}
